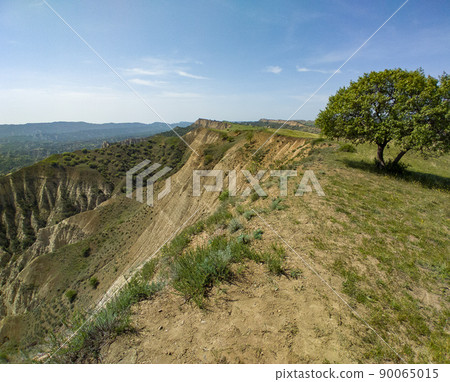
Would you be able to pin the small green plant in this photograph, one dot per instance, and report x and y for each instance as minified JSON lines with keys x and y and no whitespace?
{"x":149,"y":269}
{"x":86,"y":252}
{"x":249,"y":214}
{"x":71,"y":295}
{"x":274,"y":260}
{"x":347,"y":148}
{"x":240,"y":209}
{"x":295,"y":273}
{"x":224,"y":195}
{"x":197,"y":270}
{"x":234,"y":225}
{"x":258,"y":234}
{"x":254,"y":196}
{"x":243,"y":238}
{"x":208,"y":159}
{"x":276,"y":205}
{"x":93,"y":282}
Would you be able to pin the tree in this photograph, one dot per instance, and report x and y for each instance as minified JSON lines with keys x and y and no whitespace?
{"x":396,"y":106}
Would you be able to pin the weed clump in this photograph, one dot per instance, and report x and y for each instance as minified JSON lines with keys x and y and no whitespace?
{"x":234,"y":225}
{"x":93,"y":282}
{"x":347,"y":148}
{"x":71,"y":295}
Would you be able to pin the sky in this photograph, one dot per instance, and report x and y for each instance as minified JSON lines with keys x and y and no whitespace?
{"x":219,"y":59}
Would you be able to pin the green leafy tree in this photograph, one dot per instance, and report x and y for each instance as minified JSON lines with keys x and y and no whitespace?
{"x":396,"y":106}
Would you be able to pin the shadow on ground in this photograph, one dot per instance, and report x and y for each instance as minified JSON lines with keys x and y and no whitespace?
{"x":425,"y":179}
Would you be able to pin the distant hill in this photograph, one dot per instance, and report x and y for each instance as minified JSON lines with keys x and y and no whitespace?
{"x":301,"y":125}
{"x":22,"y":145}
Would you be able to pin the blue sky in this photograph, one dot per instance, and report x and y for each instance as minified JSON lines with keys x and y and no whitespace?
{"x":219,"y":59}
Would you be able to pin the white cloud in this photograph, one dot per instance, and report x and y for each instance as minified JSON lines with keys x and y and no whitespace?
{"x":303,"y":70}
{"x":274,"y":69}
{"x":189,"y":75}
{"x":139,"y":81}
{"x":145,"y":72}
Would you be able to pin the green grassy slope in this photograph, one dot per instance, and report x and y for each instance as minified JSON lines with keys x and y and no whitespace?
{"x":381,"y":241}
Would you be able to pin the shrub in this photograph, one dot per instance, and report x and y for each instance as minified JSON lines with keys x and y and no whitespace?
{"x":274,"y":260}
{"x":234,"y":225}
{"x":93,"y":282}
{"x":249,"y":214}
{"x":208,"y":159}
{"x":254,"y":196}
{"x":243,"y":238}
{"x":240,"y":209}
{"x":258,"y":234}
{"x":71,"y":295}
{"x":347,"y":148}
{"x":276,"y":204}
{"x":196,"y":271}
{"x":86,"y":252}
{"x":148,"y":270}
{"x":224,"y":195}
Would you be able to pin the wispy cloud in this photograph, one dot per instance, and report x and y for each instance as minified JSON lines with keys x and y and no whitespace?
{"x":189,"y":75}
{"x":145,"y":72}
{"x":139,"y":81}
{"x":303,"y":70}
{"x":166,"y":69}
{"x":274,"y":69}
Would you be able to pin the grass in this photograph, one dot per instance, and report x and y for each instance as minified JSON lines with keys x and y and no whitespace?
{"x":386,"y":236}
{"x":92,"y":332}
{"x":71,"y":295}
{"x":196,"y":271}
{"x":235,"y":225}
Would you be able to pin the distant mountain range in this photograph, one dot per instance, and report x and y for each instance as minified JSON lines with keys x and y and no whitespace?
{"x":63,"y":131}
{"x":23,"y":145}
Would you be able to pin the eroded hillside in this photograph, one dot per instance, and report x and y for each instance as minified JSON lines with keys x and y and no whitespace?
{"x":220,"y":278}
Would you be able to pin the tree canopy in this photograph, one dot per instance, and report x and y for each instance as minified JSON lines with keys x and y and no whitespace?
{"x":406,"y":108}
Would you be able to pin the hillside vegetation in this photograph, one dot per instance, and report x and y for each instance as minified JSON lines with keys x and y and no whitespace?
{"x":225,"y":279}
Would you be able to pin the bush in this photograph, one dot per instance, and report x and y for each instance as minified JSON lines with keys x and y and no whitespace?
{"x":149,"y":269}
{"x":276,"y":204}
{"x":240,"y":209}
{"x":208,"y":159}
{"x":198,"y":269}
{"x":224,"y":195}
{"x":244,"y":239}
{"x":249,"y":214}
{"x":195,"y":272}
{"x":274,"y":260}
{"x":93,"y":282}
{"x":347,"y":148}
{"x":86,"y":252}
{"x":254,"y":196}
{"x":234,"y":225}
{"x":258,"y":234}
{"x":71,"y":295}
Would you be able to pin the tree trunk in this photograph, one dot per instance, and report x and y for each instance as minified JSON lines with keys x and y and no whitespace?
{"x":399,"y":156}
{"x":380,"y":157}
